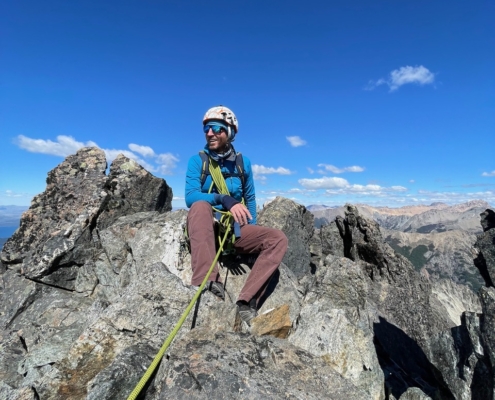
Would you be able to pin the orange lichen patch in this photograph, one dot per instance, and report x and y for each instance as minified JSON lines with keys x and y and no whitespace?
{"x":91,"y":358}
{"x":274,"y":323}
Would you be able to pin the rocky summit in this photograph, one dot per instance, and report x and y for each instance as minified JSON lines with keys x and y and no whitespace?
{"x":98,"y":274}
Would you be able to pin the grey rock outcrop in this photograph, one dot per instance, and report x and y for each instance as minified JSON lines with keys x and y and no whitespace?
{"x":297,"y":224}
{"x":485,"y":261}
{"x":230,"y":366}
{"x":53,"y":239}
{"x":61,"y":215}
{"x":84,"y":320}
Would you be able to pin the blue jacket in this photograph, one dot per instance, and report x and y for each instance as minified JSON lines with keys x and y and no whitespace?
{"x":194,"y":191}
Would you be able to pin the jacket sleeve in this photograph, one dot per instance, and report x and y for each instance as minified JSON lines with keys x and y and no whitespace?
{"x":249,"y":193}
{"x":193,"y":191}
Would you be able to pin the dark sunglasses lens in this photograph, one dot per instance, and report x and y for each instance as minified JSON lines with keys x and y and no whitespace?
{"x":215,"y":128}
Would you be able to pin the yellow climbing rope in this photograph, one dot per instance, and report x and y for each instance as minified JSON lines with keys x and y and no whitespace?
{"x":226,"y":218}
{"x":171,"y":337}
{"x":225,"y":223}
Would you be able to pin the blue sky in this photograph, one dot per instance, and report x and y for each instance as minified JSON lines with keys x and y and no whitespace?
{"x":387,"y":103}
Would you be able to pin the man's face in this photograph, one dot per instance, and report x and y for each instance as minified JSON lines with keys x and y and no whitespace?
{"x":216,"y":141}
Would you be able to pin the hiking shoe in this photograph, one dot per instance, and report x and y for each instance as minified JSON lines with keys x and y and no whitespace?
{"x":246,"y":312}
{"x":216,"y":288}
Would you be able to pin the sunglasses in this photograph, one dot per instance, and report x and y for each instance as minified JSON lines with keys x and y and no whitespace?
{"x":217,"y":130}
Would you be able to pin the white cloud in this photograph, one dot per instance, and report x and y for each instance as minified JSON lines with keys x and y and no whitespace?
{"x":335,"y":185}
{"x":335,"y":170}
{"x":10,"y":193}
{"x":310,"y":170}
{"x":428,"y":196}
{"x":323,"y":183}
{"x":488,"y":173}
{"x":411,"y":181}
{"x":167,"y":163}
{"x":145,"y":151}
{"x":64,"y":146}
{"x":260,"y":170}
{"x":295,"y":141}
{"x":404,"y":75}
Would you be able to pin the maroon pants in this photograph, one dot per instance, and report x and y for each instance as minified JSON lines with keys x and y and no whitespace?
{"x":270,"y":243}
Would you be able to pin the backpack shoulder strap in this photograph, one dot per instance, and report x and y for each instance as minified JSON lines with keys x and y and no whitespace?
{"x":205,"y":168}
{"x":205,"y":164}
{"x":239,"y":163}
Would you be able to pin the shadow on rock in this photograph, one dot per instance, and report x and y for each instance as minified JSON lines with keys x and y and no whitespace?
{"x":404,"y":363}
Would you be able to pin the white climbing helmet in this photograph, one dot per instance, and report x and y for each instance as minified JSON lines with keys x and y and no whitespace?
{"x":223,"y":113}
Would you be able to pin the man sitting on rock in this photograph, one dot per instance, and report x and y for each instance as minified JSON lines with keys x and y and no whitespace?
{"x":220,"y":128}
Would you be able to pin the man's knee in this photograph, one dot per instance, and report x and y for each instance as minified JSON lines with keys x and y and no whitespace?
{"x":199,"y":209}
{"x":279,"y":240}
{"x":200,"y":206}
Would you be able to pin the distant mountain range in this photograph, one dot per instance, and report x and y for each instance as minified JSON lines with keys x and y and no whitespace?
{"x":436,"y":238}
{"x":437,"y":217}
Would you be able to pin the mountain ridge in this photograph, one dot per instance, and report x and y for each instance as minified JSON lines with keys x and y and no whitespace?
{"x":98,"y":273}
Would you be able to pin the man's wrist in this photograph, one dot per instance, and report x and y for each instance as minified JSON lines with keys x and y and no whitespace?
{"x":228,"y":202}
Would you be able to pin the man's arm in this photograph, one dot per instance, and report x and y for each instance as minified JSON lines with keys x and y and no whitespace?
{"x":249,"y":191}
{"x":193,"y":190}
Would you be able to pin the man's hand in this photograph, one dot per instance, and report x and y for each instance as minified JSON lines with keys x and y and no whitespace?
{"x":241,"y":214}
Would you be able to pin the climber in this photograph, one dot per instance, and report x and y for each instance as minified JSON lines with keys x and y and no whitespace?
{"x":220,"y":127}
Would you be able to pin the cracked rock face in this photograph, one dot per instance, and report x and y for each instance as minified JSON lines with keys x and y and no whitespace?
{"x":59,"y":216}
{"x":83,"y":314}
{"x":55,"y":231}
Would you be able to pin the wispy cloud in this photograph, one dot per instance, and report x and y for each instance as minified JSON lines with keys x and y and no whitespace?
{"x":331,"y":184}
{"x":163,"y":163}
{"x":12,"y":197}
{"x":295,"y":141}
{"x":11,"y":193}
{"x":488,"y":173}
{"x":260,"y":171}
{"x":323,"y":183}
{"x":166,"y":163}
{"x":339,"y":193}
{"x":145,"y":151}
{"x":64,"y":146}
{"x":402,"y":76}
{"x":335,"y":170}
{"x":428,"y":196}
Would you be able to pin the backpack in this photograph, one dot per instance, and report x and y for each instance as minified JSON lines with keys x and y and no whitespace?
{"x":239,"y":164}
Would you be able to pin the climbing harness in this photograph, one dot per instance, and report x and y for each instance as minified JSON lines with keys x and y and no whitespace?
{"x":166,"y":344}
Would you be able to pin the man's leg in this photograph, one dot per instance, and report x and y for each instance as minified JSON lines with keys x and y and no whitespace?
{"x":200,"y":227}
{"x":271,"y":244}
